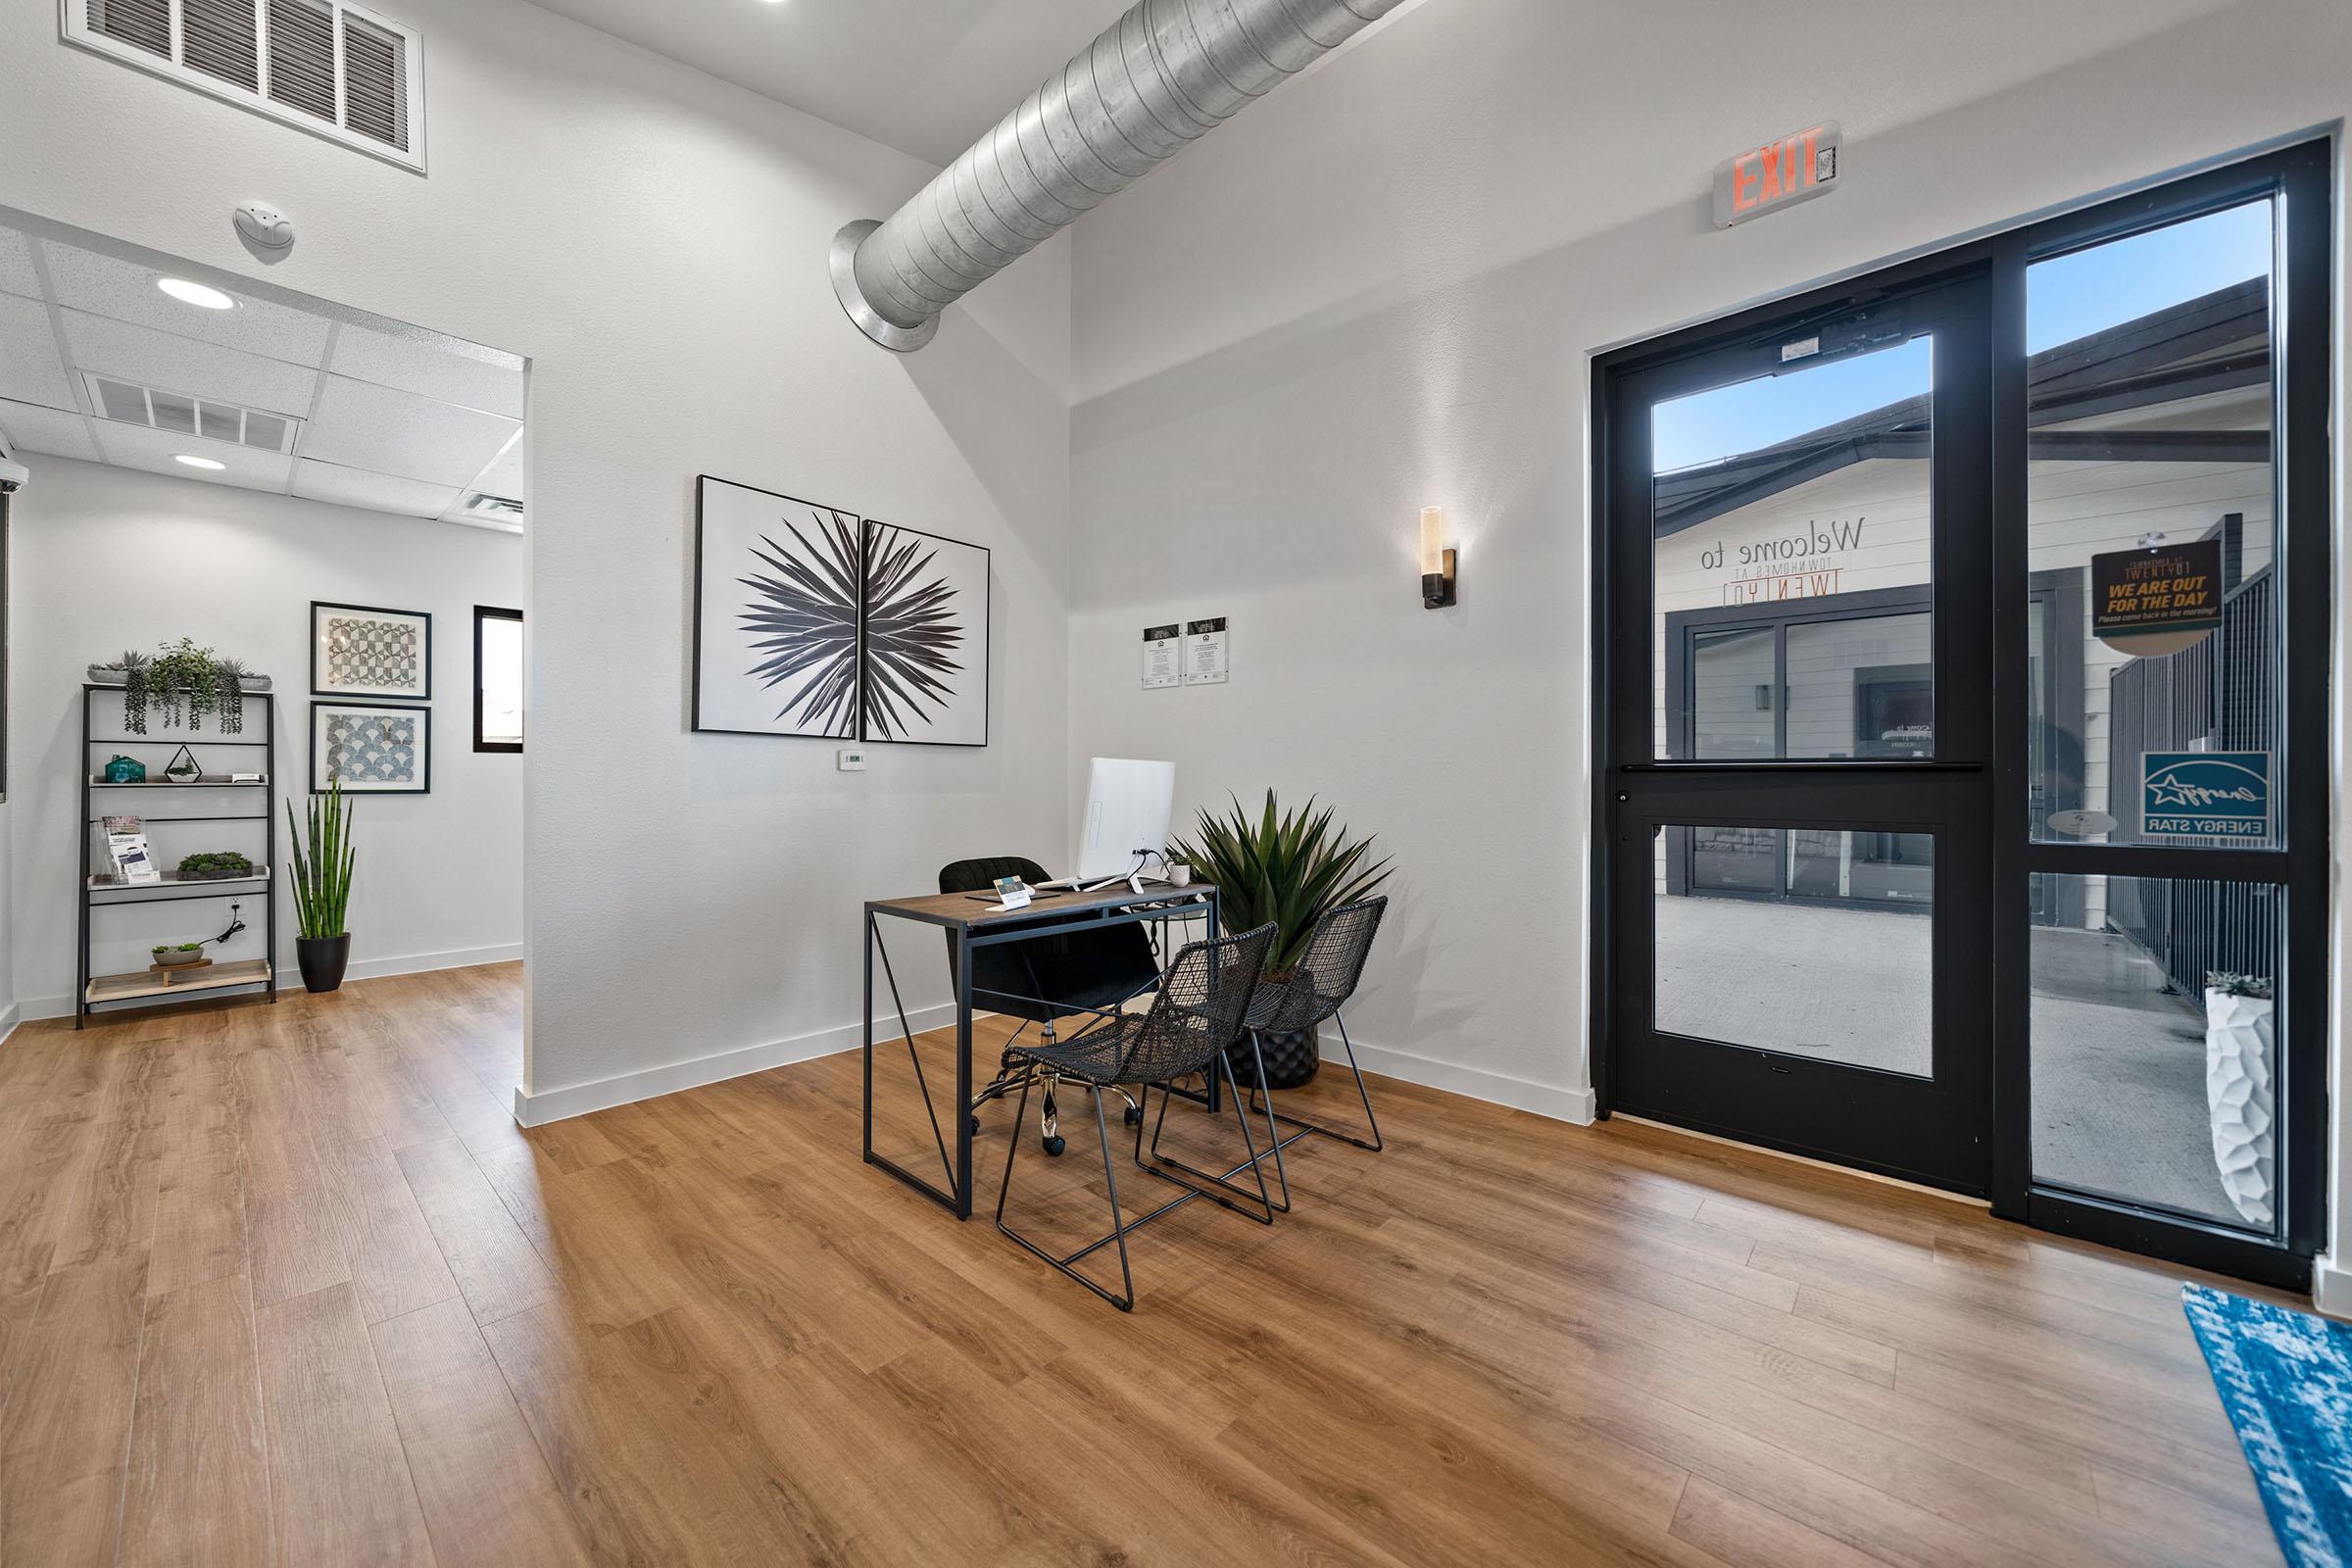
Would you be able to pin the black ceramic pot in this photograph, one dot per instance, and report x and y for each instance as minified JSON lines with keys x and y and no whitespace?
{"x":323,"y":961}
{"x":1292,"y":1057}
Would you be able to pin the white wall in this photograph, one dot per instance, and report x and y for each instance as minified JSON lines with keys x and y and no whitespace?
{"x":1381,"y":289}
{"x":655,"y":241}
{"x":109,"y":559}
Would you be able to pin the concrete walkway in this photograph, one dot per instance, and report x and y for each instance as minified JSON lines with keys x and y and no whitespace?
{"x":2119,"y":1066}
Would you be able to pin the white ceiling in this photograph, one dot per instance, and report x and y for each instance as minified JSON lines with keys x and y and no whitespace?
{"x":926,"y":76}
{"x":395,"y":419}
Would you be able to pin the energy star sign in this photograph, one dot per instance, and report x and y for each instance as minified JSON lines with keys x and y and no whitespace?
{"x":1766,"y":179}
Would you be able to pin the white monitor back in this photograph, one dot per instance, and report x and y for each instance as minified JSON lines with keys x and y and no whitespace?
{"x":1127,"y":807}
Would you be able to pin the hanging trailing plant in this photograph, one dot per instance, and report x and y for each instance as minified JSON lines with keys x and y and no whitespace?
{"x":229,"y":695}
{"x":136,"y":667}
{"x":185,"y":682}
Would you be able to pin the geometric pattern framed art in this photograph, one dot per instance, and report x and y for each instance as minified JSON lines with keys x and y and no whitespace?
{"x":363,"y":651}
{"x":810,"y":621}
{"x":374,"y":748}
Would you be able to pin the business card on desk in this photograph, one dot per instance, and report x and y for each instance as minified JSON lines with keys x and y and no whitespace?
{"x":1011,"y":893}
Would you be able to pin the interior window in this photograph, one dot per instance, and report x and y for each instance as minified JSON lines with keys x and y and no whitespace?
{"x":497,"y":679}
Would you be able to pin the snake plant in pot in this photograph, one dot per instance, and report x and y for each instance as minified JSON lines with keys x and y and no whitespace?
{"x":322,"y":876}
{"x":1292,"y":869}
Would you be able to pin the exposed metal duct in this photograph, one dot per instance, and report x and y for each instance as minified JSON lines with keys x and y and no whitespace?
{"x":1161,"y":77}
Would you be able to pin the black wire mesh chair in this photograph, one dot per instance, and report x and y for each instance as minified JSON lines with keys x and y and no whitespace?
{"x":1324,"y":981}
{"x":1197,"y":1014}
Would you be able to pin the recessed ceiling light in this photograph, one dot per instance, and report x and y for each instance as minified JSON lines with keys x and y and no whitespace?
{"x":206,"y":463}
{"x":196,"y":294}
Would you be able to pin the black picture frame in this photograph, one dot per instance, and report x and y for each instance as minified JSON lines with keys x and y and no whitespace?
{"x":979,"y":644}
{"x":481,"y":613}
{"x":419,"y":710}
{"x":699,"y":719}
{"x":856,"y":562}
{"x":317,"y":672}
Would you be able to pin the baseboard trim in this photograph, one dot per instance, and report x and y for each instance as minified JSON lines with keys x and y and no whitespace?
{"x":537,"y":1110}
{"x":2331,"y":1288}
{"x":290,"y":976}
{"x":1575,"y":1106}
{"x":10,"y":1017}
{"x":420,"y":962}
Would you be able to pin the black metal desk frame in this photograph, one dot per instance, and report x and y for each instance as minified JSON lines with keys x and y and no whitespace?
{"x":1158,"y":903}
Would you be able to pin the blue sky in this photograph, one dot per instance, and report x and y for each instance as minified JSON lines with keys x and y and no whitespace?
{"x":2066,"y":297}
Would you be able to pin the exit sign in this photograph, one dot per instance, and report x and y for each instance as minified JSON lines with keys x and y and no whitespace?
{"x":1763,"y":179}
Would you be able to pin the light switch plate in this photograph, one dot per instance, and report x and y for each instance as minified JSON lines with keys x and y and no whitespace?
{"x":849,"y":759}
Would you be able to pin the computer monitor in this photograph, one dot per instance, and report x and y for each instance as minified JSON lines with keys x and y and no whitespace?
{"x":1127,"y":807}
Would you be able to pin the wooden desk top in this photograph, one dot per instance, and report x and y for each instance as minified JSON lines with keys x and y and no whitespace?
{"x":975,"y":910}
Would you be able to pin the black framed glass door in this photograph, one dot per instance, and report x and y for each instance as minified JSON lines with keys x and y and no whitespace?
{"x":1800,"y":768}
{"x":2163,"y":1074}
{"x":1962,"y":806}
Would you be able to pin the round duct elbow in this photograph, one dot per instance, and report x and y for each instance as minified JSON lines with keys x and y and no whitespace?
{"x":1155,"y":80}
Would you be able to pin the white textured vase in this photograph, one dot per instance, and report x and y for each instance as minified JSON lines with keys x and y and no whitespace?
{"x":2238,"y":1100}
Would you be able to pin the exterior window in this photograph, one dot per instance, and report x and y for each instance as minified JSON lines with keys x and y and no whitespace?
{"x":497,"y":679}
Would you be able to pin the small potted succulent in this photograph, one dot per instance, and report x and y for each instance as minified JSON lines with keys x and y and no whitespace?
{"x":174,"y":958}
{"x":320,"y":870}
{"x":215,"y":865}
{"x":2240,"y":1013}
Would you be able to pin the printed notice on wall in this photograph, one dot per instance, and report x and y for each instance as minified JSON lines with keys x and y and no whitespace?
{"x":2157,"y":600}
{"x":1163,"y":655}
{"x":1204,"y":652}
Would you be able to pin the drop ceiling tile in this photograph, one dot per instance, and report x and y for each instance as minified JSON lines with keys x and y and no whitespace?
{"x":105,"y":285}
{"x":423,"y":362}
{"x":372,"y":492}
{"x":30,"y":370}
{"x":359,"y":425}
{"x":131,"y":447}
{"x":503,"y":476}
{"x":33,"y":428}
{"x":16,"y":274}
{"x":153,"y":359}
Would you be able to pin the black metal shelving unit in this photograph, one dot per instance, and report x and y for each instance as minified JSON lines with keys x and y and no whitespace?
{"x":97,"y":891}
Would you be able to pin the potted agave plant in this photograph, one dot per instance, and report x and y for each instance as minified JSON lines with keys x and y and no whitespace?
{"x":1292,"y":869}
{"x":322,"y":876}
{"x":2240,"y":1023}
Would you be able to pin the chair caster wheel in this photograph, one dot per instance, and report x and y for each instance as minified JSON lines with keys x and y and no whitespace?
{"x":1133,"y":1116}
{"x":1054,"y":1145}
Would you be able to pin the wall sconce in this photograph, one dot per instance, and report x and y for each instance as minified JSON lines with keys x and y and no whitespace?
{"x":1437,"y":561}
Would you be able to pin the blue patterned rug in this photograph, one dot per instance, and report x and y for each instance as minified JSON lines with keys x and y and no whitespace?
{"x":2285,"y":1380}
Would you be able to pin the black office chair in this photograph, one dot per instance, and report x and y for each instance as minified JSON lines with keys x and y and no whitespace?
{"x":1198,"y":1013}
{"x":1325,"y":980}
{"x":1044,"y":979}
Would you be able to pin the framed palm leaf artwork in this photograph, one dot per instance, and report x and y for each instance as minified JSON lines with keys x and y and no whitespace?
{"x":776,"y":608}
{"x":811,"y":620}
{"x":925,"y":675}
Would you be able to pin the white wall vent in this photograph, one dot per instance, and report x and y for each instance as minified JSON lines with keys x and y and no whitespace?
{"x":335,"y":69}
{"x":183,"y":414}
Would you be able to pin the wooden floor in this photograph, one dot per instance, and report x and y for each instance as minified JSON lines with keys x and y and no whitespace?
{"x":287,"y":1285}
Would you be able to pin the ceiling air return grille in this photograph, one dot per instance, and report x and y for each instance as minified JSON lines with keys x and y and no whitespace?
{"x":182,"y":413}
{"x":331,"y":68}
{"x":485,"y":511}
